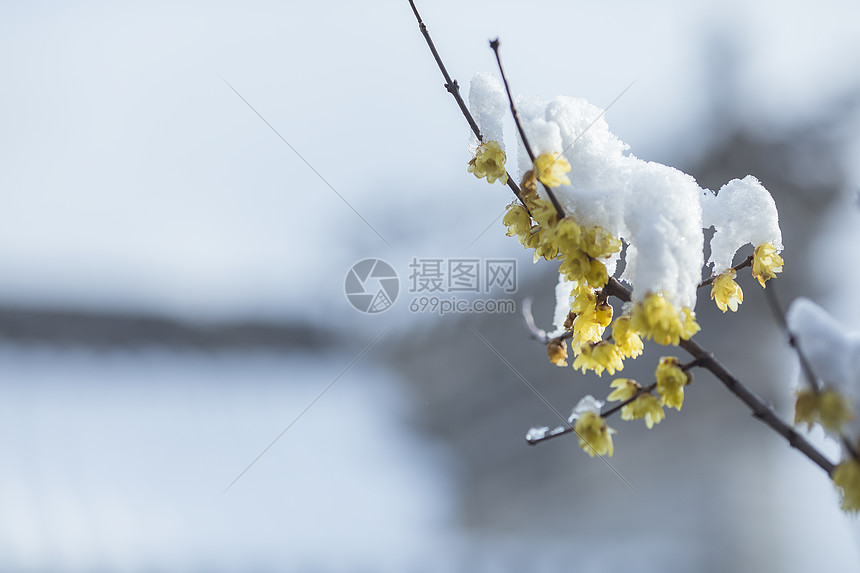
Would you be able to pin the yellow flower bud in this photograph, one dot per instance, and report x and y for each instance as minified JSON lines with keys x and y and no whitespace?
{"x":595,"y":436}
{"x":557,"y":350}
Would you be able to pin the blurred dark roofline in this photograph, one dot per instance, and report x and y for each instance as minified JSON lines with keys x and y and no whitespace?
{"x":116,"y":330}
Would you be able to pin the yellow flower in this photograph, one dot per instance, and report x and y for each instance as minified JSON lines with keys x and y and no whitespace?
{"x":543,"y":211}
{"x":528,"y":188}
{"x":846,"y":476}
{"x":598,"y":243}
{"x":489,"y":162}
{"x":645,"y":406}
{"x":726,"y":292}
{"x":597,"y":275}
{"x":657,"y":318}
{"x":598,"y":356}
{"x":551,"y":169}
{"x":603,"y":314}
{"x":517,"y":221}
{"x":671,"y":380}
{"x":827,"y":407}
{"x":627,"y":341}
{"x":584,"y":301}
{"x":595,"y":437}
{"x":625,"y":388}
{"x":834,"y":410}
{"x":545,"y":246}
{"x":576,"y":266}
{"x":689,"y":326}
{"x":766,"y":263}
{"x":557,"y":350}
{"x":806,"y":407}
{"x":585,"y":329}
{"x":567,"y":236}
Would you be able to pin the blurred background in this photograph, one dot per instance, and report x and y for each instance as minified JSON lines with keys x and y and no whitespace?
{"x":185,"y":387}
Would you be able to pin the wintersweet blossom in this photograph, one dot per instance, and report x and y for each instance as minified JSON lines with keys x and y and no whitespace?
{"x":557,"y":350}
{"x":597,"y":276}
{"x":598,"y":357}
{"x":489,"y":162}
{"x":517,"y":221}
{"x":625,"y":338}
{"x":766,"y":263}
{"x":646,"y":407}
{"x":576,"y":266}
{"x":726,"y":292}
{"x":551,"y":169}
{"x":599,"y":243}
{"x":568,"y":236}
{"x":657,"y":318}
{"x":846,"y":476}
{"x":595,"y":436}
{"x":827,"y":407}
{"x":671,"y":380}
{"x":834,"y":410}
{"x":625,"y":388}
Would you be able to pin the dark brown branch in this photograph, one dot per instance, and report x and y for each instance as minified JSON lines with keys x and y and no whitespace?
{"x":644,"y":390}
{"x":747,"y":262}
{"x":605,"y":414}
{"x":454,"y":89}
{"x":494,"y":44}
{"x":779,"y":315}
{"x":760,"y":410}
{"x":812,"y":378}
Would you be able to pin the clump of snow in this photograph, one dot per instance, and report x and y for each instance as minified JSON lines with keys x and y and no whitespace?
{"x":563,"y":291}
{"x":833,"y":352}
{"x":656,"y":209}
{"x":537,"y":433}
{"x":588,"y":403}
{"x":488,"y":104}
{"x":556,"y":430}
{"x":743,"y":212}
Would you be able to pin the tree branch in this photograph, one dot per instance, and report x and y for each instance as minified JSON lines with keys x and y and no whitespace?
{"x":760,"y":410}
{"x":779,"y":315}
{"x":454,"y":89}
{"x":747,"y":262}
{"x":494,"y":44}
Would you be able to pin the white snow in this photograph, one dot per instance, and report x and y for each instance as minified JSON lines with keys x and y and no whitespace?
{"x":832,"y":351}
{"x":537,"y":433}
{"x":742,"y":213}
{"x":488,"y":104}
{"x":656,"y":209}
{"x":562,"y":305}
{"x":587,"y":403}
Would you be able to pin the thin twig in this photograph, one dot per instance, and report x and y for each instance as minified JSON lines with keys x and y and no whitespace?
{"x":813,"y":379}
{"x":760,"y":410}
{"x":644,"y":390}
{"x":747,"y":262}
{"x":454,"y":89}
{"x":605,"y":414}
{"x":538,"y":334}
{"x":779,"y":315}
{"x":494,"y":44}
